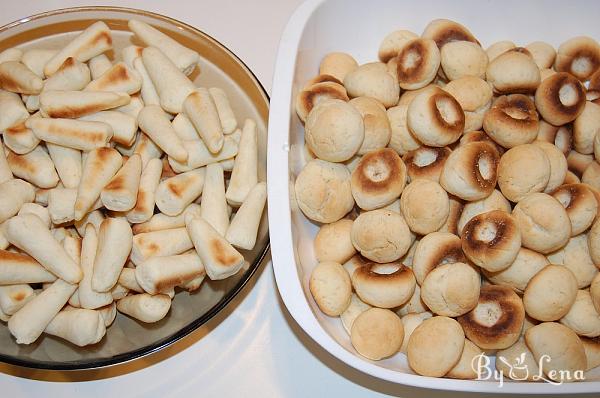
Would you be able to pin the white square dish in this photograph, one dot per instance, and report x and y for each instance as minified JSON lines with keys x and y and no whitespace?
{"x":357,"y":27}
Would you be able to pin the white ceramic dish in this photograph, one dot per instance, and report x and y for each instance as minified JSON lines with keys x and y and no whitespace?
{"x":357,"y":27}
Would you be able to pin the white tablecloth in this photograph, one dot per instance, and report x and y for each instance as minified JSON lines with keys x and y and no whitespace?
{"x":254,"y":348}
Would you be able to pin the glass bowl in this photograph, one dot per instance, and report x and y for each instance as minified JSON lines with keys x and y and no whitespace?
{"x":128,"y":339}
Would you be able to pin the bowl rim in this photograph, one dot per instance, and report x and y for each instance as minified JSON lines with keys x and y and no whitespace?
{"x":221,"y":304}
{"x":283,"y":257}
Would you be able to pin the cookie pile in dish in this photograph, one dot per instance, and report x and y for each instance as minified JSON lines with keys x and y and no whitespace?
{"x":457,"y":192}
{"x":90,"y":148}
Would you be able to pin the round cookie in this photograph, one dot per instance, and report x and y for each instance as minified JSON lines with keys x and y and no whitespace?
{"x":495,"y":201}
{"x":451,"y":289}
{"x":513,"y":72}
{"x":558,"y":165}
{"x":426,"y":162}
{"x":435,"y":249}
{"x":520,"y":271}
{"x":586,"y":127}
{"x":444,"y":31}
{"x":550,"y":294}
{"x":491,"y":240}
{"x":377,"y":333}
{"x":435,"y":118}
{"x":384,"y":285}
{"x":323,"y":191}
{"x":497,"y":320}
{"x":560,"y":98}
{"x":331,"y":288}
{"x":334,"y":130}
{"x":381,"y":235}
{"x":401,"y":140}
{"x":538,"y":231}
{"x":463,"y":58}
{"x":378,"y":179}
{"x":543,"y":54}
{"x":580,"y":56}
{"x":499,"y":47}
{"x":425,"y":206}
{"x":333,"y":242}
{"x":512,"y":120}
{"x":583,"y":318}
{"x":471,"y":92}
{"x":373,"y":80}
{"x":576,"y":257}
{"x":416,"y":64}
{"x":560,"y":136}
{"x":560,"y":346}
{"x":393,"y":43}
{"x":522,"y":170}
{"x":311,"y":95}
{"x":435,"y":346}
{"x":338,"y":65}
{"x":377,"y":124}
{"x":470,"y":171}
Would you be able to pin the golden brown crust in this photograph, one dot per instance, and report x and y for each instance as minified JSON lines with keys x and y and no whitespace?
{"x":366,"y":273}
{"x":458,"y":122}
{"x":167,"y":170}
{"x":512,"y":120}
{"x":175,"y":188}
{"x":322,"y":79}
{"x":506,"y":329}
{"x":311,"y":95}
{"x":445,"y":31}
{"x":436,"y":249}
{"x":573,"y":51}
{"x":378,"y":179}
{"x":7,"y":256}
{"x":17,"y":129}
{"x":491,"y":240}
{"x":426,"y":162}
{"x":548,"y":98}
{"x":477,"y":136}
{"x":386,"y":157}
{"x":415,"y":62}
{"x":75,"y":111}
{"x":435,"y":118}
{"x":456,"y":209}
{"x":580,"y":203}
{"x":223,"y":254}
{"x":377,"y":286}
{"x":20,"y":162}
{"x":471,"y":171}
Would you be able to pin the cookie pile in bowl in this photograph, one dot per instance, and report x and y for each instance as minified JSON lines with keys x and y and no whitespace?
{"x":457,"y":189}
{"x":132,"y":186}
